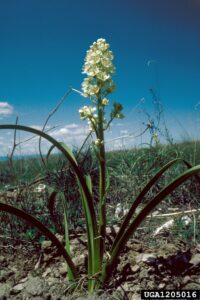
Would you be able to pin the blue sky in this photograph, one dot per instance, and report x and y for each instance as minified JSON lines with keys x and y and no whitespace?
{"x":43,"y":45}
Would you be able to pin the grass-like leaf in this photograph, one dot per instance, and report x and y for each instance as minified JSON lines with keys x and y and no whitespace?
{"x":145,"y":190}
{"x":110,"y":265}
{"x":33,"y":221}
{"x":70,"y":157}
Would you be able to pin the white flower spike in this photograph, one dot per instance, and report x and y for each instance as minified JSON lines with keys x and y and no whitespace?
{"x":99,"y":68}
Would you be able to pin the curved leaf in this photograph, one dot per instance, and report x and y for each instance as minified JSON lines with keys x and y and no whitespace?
{"x":49,"y":151}
{"x":108,"y":268}
{"x":21,"y":214}
{"x":144,"y":192}
{"x":70,"y":157}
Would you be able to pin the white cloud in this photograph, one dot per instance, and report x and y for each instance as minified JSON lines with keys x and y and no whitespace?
{"x":119,"y":124}
{"x":39,"y":127}
{"x":124,"y":131}
{"x":70,"y":131}
{"x":5,"y":109}
{"x":72,"y":126}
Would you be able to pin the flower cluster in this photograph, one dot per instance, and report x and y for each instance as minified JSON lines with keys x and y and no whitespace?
{"x":97,"y":85}
{"x":87,"y":112}
{"x":98,"y":67}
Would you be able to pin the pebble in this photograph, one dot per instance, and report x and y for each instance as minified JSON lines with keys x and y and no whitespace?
{"x":195,"y":260}
{"x":161,"y":285}
{"x":186,"y":279}
{"x":35,"y":286}
{"x":18,"y":288}
{"x":135,"y":268}
{"x":46,"y":244}
{"x":63,"y":269}
{"x":146,"y":257}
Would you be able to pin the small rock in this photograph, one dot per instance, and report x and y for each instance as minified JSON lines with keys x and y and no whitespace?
{"x":161,"y":286}
{"x":135,"y":268}
{"x":166,"y":279}
{"x":35,"y":286}
{"x":146,"y":257}
{"x":186,"y":279}
{"x":63,"y":269}
{"x":195,"y":260}
{"x":23,"y":279}
{"x":17,"y":288}
{"x":46,"y":245}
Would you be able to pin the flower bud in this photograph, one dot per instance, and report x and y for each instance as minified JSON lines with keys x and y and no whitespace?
{"x":105,"y":101}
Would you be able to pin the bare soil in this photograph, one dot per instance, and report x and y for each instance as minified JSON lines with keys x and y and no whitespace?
{"x":36,"y":271}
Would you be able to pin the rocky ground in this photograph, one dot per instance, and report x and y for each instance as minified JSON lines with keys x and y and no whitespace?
{"x":37,"y":272}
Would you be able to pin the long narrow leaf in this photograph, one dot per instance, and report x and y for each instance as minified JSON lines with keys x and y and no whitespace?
{"x":95,"y":241}
{"x":63,"y":148}
{"x":67,"y":241}
{"x":49,"y":151}
{"x":90,"y":238}
{"x":140,"y":197}
{"x":21,"y":214}
{"x":110,"y":265}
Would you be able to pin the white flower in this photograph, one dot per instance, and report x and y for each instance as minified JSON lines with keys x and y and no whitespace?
{"x":93,"y":89}
{"x":103,"y":76}
{"x":105,"y":101}
{"x":89,"y":88}
{"x":101,"y":41}
{"x":86,"y":112}
{"x":97,"y":142}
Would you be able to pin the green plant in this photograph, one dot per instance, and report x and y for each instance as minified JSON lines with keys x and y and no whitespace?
{"x":97,"y":86}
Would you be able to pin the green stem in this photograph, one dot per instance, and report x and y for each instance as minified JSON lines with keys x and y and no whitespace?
{"x":102,"y":180}
{"x":67,"y":241}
